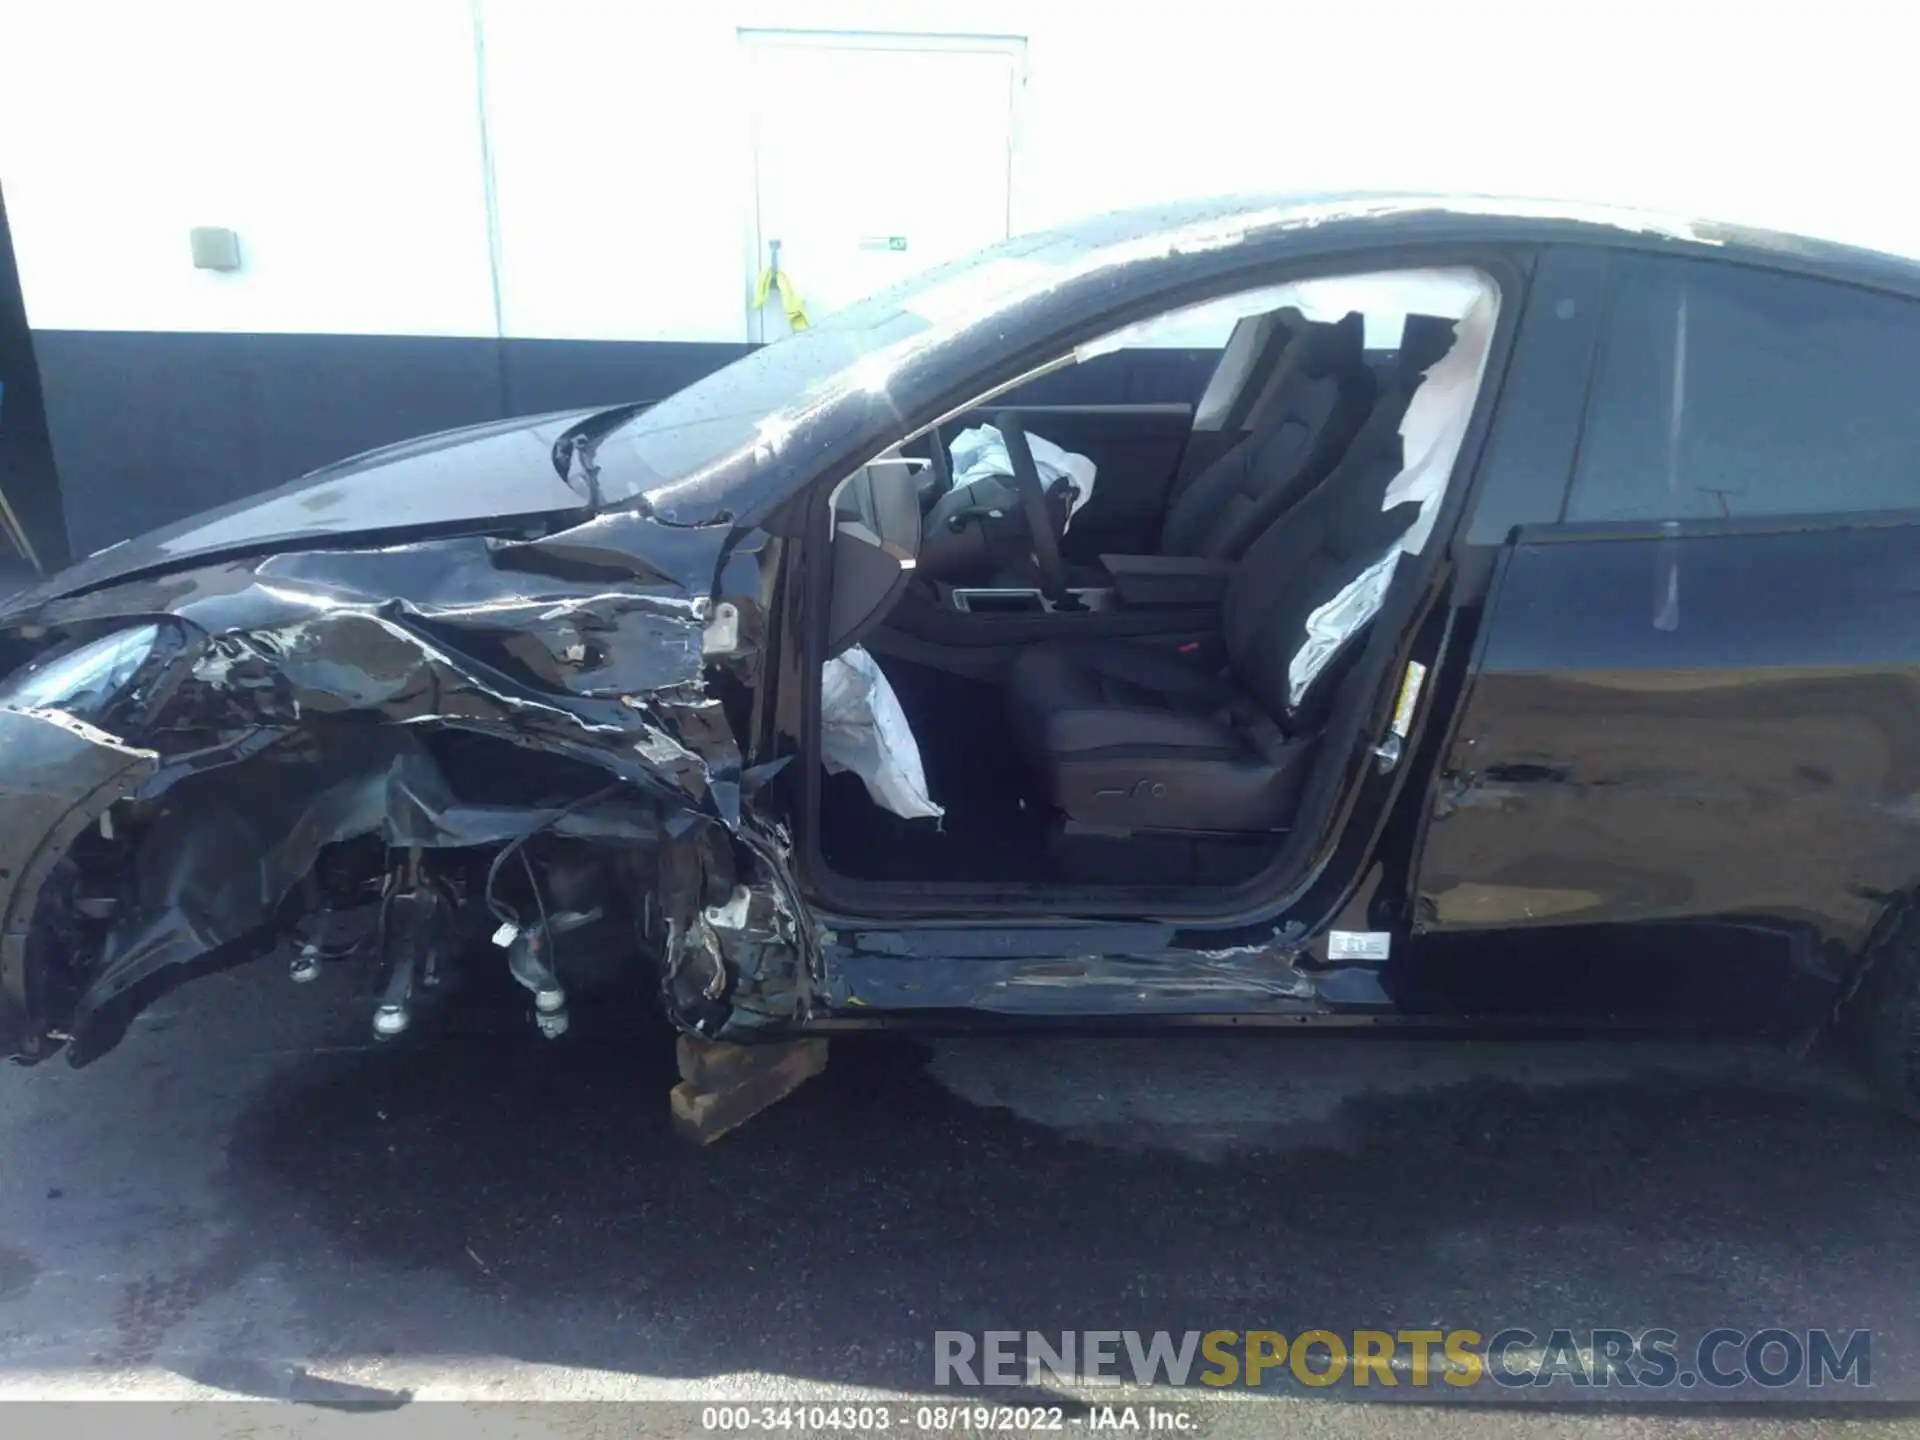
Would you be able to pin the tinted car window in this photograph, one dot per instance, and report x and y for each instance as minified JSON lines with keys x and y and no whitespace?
{"x":1729,"y":392}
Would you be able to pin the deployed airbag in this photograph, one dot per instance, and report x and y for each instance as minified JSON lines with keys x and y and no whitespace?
{"x":864,"y":731}
{"x":1431,"y":433}
{"x":981,"y":453}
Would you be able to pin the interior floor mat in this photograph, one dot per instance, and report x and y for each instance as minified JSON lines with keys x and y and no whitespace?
{"x":995,"y":827}
{"x":1078,"y":856}
{"x":998,"y":827}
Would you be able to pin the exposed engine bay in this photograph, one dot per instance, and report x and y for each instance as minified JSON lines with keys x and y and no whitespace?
{"x":384,"y":757}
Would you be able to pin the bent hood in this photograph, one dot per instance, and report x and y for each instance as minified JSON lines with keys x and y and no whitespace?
{"x":502,"y":470}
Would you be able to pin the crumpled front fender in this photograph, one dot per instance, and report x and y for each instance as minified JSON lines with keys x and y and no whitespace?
{"x":299,"y":713}
{"x":57,"y":777}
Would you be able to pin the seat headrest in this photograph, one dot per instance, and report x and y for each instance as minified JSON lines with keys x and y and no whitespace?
{"x":1289,"y":320}
{"x":1332,"y":346}
{"x":1424,"y":339}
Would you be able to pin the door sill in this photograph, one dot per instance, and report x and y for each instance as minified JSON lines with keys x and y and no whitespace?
{"x":844,"y":897}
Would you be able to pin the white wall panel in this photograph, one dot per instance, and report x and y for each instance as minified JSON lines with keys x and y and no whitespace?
{"x":339,"y":138}
{"x":620,"y":168}
{"x":1792,"y":115}
{"x":342,"y":140}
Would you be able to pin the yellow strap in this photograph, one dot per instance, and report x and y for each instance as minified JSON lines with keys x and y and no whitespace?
{"x":790,"y":301}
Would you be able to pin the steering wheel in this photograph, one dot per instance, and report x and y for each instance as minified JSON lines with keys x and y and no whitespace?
{"x":1034,"y":509}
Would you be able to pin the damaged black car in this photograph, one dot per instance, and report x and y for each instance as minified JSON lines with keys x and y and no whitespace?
{"x":1355,"y":611}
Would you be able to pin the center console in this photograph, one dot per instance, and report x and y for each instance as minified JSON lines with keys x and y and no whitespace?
{"x":1019,"y":600}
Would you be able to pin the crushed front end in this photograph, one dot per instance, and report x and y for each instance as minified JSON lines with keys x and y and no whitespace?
{"x":414,"y":757}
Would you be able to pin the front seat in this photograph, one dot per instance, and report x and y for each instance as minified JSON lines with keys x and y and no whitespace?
{"x":1304,"y":417}
{"x":1307,"y":408}
{"x":1129,"y":737}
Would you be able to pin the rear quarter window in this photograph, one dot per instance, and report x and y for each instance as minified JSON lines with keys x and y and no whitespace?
{"x":1725,"y":392}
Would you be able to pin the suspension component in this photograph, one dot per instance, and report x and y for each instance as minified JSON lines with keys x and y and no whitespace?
{"x":530,"y":962}
{"x":414,"y":929}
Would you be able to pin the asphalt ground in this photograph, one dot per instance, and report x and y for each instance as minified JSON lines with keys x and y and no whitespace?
{"x":251,"y":1199}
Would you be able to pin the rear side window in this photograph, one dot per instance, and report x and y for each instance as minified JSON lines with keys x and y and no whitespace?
{"x":1731,"y":392}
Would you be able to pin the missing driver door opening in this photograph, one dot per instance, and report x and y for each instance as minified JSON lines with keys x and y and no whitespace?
{"x":1183,"y":877}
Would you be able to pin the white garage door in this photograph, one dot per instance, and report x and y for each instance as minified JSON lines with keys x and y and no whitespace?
{"x":875,"y":159}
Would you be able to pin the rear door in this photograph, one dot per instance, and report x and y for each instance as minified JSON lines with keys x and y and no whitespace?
{"x":1696,"y":700}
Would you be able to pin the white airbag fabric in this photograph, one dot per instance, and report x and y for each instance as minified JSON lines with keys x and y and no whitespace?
{"x":981,"y":452}
{"x":1330,"y":627}
{"x":1435,"y":425}
{"x":864,"y":730}
{"x":1431,"y":433}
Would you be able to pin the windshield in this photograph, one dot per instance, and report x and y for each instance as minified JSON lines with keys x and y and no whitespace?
{"x":715,"y":417}
{"x":687,"y":437}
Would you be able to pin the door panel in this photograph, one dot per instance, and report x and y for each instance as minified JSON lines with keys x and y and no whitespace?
{"x":1685,"y":726}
